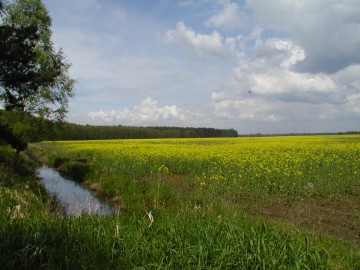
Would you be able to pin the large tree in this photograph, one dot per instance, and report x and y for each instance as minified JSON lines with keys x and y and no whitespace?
{"x":34,"y":78}
{"x":45,"y":87}
{"x":1,"y":7}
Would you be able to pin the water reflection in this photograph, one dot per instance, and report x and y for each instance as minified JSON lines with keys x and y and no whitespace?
{"x":73,"y":198}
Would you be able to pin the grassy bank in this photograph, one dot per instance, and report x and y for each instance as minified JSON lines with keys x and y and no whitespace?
{"x":168,"y":220}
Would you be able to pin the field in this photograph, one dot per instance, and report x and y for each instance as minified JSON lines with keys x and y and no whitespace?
{"x":235,"y":203}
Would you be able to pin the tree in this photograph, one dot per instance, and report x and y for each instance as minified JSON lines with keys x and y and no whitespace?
{"x":20,"y":74}
{"x":34,"y":79}
{"x":46,"y":88}
{"x":1,"y":7}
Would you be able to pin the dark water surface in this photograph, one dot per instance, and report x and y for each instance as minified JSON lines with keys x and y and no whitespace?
{"x":73,"y":198}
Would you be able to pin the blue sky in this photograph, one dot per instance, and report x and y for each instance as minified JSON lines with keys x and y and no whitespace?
{"x":254,"y":65}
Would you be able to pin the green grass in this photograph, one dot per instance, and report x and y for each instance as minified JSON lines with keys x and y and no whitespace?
{"x":21,"y":196}
{"x":171,"y":242}
{"x":192,"y":228}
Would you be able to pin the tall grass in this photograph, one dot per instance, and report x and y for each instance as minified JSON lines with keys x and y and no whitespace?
{"x":173,"y":242}
{"x":191,"y":188}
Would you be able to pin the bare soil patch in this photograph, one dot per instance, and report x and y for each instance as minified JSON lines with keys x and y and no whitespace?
{"x":338,"y":216}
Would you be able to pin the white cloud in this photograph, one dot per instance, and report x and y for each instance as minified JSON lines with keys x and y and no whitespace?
{"x":349,"y":78}
{"x":242,"y":108}
{"x":147,"y":113}
{"x":275,"y":118}
{"x":265,"y":89}
{"x":328,"y":31}
{"x":185,"y":3}
{"x":230,"y":17}
{"x":267,"y":114}
{"x":281,"y":52}
{"x":218,"y":96}
{"x":198,"y":45}
{"x":285,"y":81}
{"x":270,"y":74}
{"x":354,"y":102}
{"x":298,"y":59}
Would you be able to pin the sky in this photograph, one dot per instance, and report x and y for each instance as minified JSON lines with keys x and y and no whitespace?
{"x":258,"y":66}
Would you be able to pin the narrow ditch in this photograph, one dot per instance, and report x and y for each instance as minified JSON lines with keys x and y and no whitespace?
{"x":71,"y":197}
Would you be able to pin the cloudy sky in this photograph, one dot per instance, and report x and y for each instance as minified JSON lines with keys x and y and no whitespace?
{"x":252,"y":65}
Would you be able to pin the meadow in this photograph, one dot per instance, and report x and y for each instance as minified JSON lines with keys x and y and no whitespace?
{"x":226,"y":203}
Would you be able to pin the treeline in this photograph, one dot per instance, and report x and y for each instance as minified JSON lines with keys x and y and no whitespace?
{"x":299,"y":134}
{"x":69,"y":131}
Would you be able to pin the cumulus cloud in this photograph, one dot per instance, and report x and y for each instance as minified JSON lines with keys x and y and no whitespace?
{"x":147,"y":113}
{"x":280,"y":52}
{"x":289,"y":65}
{"x":276,"y":116}
{"x":185,"y":3}
{"x":270,"y":74}
{"x":354,"y":101}
{"x":328,"y":31}
{"x":198,"y":45}
{"x":244,"y":108}
{"x":230,"y":17}
{"x":349,"y":78}
{"x":265,"y":89}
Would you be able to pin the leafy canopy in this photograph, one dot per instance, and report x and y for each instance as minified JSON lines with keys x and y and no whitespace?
{"x":34,"y":78}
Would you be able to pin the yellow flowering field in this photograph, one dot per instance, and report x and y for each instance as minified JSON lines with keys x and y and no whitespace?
{"x":222,"y":202}
{"x":284,"y":165}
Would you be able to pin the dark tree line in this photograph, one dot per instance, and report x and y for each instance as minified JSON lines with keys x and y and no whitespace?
{"x":69,"y":131}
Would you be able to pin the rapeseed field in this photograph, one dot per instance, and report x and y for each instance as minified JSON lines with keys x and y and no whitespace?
{"x":322,"y":165}
{"x":287,"y":202}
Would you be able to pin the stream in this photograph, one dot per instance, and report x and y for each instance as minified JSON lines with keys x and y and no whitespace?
{"x":71,"y":197}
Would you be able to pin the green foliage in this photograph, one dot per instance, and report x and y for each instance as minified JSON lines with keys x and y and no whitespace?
{"x":69,"y":131}
{"x":19,"y":127}
{"x":34,"y":78}
{"x":199,"y":241}
{"x":20,"y":76}
{"x":46,"y":87}
{"x":208,"y":241}
{"x":77,"y":169}
{"x":2,"y":7}
{"x":182,"y":230}
{"x":196,"y":189}
{"x":83,"y":243}
{"x":21,"y":196}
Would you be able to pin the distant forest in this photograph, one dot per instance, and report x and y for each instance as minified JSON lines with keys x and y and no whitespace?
{"x":69,"y":131}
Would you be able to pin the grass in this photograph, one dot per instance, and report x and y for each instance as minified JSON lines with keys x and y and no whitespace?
{"x":200,"y":221}
{"x":172,"y":242}
{"x":20,"y":195}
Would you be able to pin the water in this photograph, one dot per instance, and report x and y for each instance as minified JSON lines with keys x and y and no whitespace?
{"x":73,"y":198}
